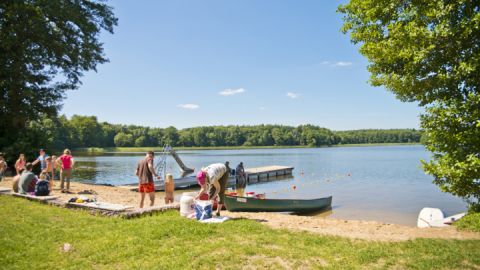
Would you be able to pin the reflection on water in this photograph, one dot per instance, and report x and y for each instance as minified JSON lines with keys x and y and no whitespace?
{"x":371,"y":183}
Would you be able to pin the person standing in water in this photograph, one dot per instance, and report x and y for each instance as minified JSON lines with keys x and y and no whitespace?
{"x":145,"y":173}
{"x":241,"y":180}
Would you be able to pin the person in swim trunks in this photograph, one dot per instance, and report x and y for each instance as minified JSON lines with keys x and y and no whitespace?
{"x":145,"y":173}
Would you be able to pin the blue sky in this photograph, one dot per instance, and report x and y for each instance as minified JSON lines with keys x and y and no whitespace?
{"x":194,"y":63}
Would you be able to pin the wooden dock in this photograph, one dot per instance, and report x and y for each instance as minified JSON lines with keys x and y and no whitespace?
{"x":254,"y":175}
{"x":262,"y":174}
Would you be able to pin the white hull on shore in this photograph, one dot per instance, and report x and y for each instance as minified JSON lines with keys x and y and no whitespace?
{"x":434,"y":217}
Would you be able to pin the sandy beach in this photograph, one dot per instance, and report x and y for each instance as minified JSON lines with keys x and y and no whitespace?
{"x":355,"y":229}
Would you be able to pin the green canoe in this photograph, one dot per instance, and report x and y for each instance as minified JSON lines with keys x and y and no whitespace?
{"x":252,"y":204}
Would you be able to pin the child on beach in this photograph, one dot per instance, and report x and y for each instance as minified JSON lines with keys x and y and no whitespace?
{"x":54,"y":160}
{"x":3,"y":167}
{"x":42,"y":187}
{"x":49,"y":171}
{"x":20,"y":164}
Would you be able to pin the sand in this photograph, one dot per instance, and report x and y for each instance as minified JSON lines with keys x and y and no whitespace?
{"x":356,"y":229}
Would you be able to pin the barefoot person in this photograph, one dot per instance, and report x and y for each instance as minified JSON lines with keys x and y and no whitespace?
{"x":41,"y":159}
{"x":66,"y":161}
{"x":16,"y":180}
{"x":217,"y":179}
{"x":27,"y":181}
{"x":3,"y":167}
{"x":20,"y":164}
{"x":145,"y":173}
{"x":49,"y":171}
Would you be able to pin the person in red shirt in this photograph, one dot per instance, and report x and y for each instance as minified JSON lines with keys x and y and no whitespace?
{"x":66,"y":162}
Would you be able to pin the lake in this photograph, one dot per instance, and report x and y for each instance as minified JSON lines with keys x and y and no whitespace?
{"x":382,"y":183}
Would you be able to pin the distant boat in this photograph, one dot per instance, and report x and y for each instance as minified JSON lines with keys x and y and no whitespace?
{"x":252,"y":204}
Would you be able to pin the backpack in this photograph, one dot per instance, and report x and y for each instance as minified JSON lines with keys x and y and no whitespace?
{"x":42,"y":188}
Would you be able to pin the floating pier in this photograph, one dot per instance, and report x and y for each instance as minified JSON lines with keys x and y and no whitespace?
{"x":254,"y":175}
{"x":262,"y":174}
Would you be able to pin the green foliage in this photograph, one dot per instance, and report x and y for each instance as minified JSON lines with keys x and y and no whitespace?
{"x":427,"y":52}
{"x":456,"y":146}
{"x":123,"y":139}
{"x":469,"y":222}
{"x":45,"y":48}
{"x":379,"y":136}
{"x":169,"y":241}
{"x":85,"y":131}
{"x":420,"y":50}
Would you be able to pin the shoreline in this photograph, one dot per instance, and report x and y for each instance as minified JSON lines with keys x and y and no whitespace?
{"x":354,"y":229}
{"x":106,"y":150}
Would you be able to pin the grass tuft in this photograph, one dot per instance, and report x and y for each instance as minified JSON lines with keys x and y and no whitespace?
{"x":470,"y":222}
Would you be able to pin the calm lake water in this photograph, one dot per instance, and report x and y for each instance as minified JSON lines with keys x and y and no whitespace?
{"x":382,"y":183}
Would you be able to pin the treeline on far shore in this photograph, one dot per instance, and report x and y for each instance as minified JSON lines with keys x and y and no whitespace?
{"x":85,"y":131}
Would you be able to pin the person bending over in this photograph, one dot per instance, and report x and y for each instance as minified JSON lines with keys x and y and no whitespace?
{"x":217,"y":178}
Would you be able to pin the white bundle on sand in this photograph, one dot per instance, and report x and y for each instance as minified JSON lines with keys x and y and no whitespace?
{"x":215,"y":220}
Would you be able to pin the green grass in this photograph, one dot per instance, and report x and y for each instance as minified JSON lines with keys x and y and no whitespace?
{"x":96,"y":150}
{"x":32,"y":235}
{"x":471,"y":222}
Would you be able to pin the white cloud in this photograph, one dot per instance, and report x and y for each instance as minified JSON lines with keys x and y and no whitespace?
{"x":342,"y":64}
{"x":189,"y":106}
{"x":337,"y":63}
{"x":231,"y":92}
{"x":293,"y":95}
{"x":262,"y":108}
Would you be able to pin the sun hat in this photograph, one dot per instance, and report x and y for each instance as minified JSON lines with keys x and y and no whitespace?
{"x":201,"y":178}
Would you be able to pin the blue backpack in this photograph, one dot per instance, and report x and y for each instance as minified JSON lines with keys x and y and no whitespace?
{"x":42,"y":188}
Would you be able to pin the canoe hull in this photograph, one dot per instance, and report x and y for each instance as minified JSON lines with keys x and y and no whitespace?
{"x":248,"y":204}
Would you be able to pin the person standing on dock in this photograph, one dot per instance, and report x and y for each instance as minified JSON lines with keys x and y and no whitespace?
{"x":145,"y":172}
{"x":241,"y":180}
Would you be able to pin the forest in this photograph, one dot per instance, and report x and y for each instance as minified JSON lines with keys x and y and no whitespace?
{"x":86,"y":131}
